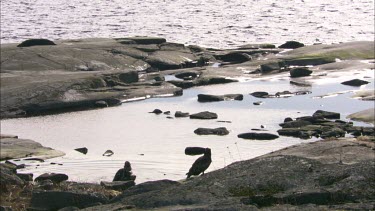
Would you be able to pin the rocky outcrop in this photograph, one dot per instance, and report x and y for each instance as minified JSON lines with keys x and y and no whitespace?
{"x":315,"y":176}
{"x":221,"y":131}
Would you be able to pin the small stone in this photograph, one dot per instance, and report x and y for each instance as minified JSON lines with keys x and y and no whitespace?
{"x":108,"y":153}
{"x":258,"y":103}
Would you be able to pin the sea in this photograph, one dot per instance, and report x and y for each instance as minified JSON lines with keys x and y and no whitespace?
{"x":209,"y":23}
{"x":155,"y":144}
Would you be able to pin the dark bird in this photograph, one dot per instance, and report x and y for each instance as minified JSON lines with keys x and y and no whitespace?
{"x":201,"y":164}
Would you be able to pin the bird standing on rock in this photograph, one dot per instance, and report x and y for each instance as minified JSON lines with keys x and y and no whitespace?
{"x":201,"y":164}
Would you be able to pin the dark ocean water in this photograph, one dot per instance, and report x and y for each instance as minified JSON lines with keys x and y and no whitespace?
{"x":214,"y":23}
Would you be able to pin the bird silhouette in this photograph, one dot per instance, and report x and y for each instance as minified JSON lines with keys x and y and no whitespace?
{"x":201,"y":164}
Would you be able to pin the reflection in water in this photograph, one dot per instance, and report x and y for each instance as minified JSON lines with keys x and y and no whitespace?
{"x":155,"y":144}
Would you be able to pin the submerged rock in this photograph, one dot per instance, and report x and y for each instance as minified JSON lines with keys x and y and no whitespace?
{"x":258,"y":136}
{"x":221,"y":131}
{"x":355,"y":82}
{"x":204,"y":115}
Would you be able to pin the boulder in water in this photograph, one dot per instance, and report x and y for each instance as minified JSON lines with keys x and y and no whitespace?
{"x":355,"y":82}
{"x":204,"y":115}
{"x":82,"y":150}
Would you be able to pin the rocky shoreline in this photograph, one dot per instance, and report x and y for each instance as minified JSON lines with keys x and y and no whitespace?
{"x":41,"y":77}
{"x":328,"y":174}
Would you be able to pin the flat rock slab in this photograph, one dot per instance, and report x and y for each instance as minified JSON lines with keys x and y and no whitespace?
{"x":12,"y":148}
{"x":367,"y":115}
